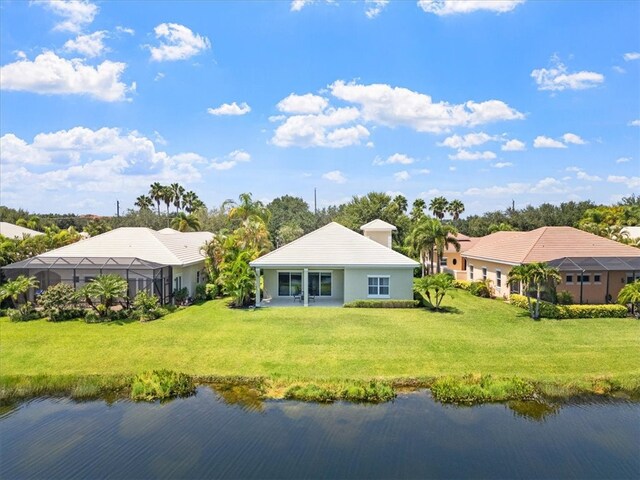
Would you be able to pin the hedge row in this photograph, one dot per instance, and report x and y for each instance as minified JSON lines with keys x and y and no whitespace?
{"x":549,"y":310}
{"x":383,"y":304}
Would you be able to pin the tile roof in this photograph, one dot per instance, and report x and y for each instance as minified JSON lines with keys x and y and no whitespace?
{"x":545,"y":244}
{"x":10,"y":230}
{"x":378,"y":224}
{"x":163,"y":247}
{"x":334,"y":246}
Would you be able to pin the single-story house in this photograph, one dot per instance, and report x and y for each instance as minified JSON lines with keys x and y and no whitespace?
{"x":335,"y":265}
{"x":594,"y":269}
{"x":159,"y":262}
{"x":10,"y":230}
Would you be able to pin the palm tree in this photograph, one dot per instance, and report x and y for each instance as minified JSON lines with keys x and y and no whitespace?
{"x":455,"y":209}
{"x":445,"y":235}
{"x":167,"y":197}
{"x":247,"y":207}
{"x":186,"y":223}
{"x":143,"y":202}
{"x":155,"y":192}
{"x":421,"y":241}
{"x":253,"y":235}
{"x":239,"y":279}
{"x":522,"y":275}
{"x":438,"y":206}
{"x":14,"y":288}
{"x":417,"y":212}
{"x":105,"y":289}
{"x":177,"y":191}
{"x":543,"y":276}
{"x":435,"y":287}
{"x":630,"y":294}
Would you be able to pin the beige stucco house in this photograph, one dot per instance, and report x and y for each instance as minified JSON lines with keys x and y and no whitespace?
{"x":452,"y":261}
{"x":593,"y":269}
{"x":335,"y":265}
{"x":159,"y":262}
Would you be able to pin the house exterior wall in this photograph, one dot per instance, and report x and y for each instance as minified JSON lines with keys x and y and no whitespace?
{"x":456,"y":265}
{"x":188,"y":276}
{"x":356,"y":282}
{"x":492,"y":275}
{"x":383,"y":238}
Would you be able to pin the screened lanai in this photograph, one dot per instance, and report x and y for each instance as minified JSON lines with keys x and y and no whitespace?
{"x":78,"y":271}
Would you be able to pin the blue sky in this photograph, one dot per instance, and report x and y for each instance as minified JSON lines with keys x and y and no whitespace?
{"x":485,"y":101}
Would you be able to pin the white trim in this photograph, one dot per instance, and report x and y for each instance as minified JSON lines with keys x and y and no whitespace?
{"x":498,"y":279}
{"x":487,"y":259}
{"x":378,"y":286}
{"x":485,"y":273}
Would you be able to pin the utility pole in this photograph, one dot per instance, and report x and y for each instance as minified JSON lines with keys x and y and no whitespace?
{"x":118,"y":208}
{"x":315,"y":202}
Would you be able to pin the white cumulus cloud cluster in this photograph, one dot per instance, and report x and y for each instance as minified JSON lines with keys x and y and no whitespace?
{"x":50,"y":74}
{"x":335,"y":176}
{"x":231,"y":160}
{"x":230,"y":109}
{"x":542,"y":141}
{"x":90,"y":45}
{"x":74,"y":14}
{"x":395,"y":159}
{"x":558,"y":78}
{"x":452,"y":7}
{"x":177,"y":42}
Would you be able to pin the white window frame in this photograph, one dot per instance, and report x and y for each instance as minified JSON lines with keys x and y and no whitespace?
{"x":443,"y":261}
{"x":320,"y":272}
{"x":378,"y":295}
{"x":498,"y":279}
{"x":471,"y":272}
{"x":278,"y":272}
{"x":485,"y":273}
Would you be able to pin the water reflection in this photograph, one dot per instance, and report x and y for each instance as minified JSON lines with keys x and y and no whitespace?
{"x":217,"y":433}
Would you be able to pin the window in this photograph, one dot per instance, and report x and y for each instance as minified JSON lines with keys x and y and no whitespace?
{"x":198,"y":276}
{"x":443,"y":262}
{"x":178,"y":283}
{"x":484,"y":273}
{"x":568,"y":279}
{"x":582,"y":278}
{"x":378,"y":286}
{"x":470,"y":272}
{"x":289,"y":284}
{"x":320,"y":284}
{"x":597,"y":278}
{"x":629,"y":277}
{"x":454,"y":261}
{"x":498,"y":278}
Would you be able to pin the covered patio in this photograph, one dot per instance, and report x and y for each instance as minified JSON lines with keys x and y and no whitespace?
{"x":290,"y":302}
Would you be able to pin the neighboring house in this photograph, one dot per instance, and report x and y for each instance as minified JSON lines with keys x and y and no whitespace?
{"x":335,"y":265}
{"x":593,"y":269}
{"x":10,"y":230}
{"x":158,"y":262}
{"x":631,"y":232}
{"x":452,"y":261}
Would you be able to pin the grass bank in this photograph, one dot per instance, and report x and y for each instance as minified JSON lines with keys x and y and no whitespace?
{"x":326,"y":347}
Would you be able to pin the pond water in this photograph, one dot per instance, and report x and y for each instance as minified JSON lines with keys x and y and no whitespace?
{"x":232,"y":434}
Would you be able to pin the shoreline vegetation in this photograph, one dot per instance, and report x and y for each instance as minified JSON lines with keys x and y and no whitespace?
{"x":475,"y":350}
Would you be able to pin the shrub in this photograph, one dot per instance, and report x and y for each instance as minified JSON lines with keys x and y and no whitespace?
{"x":548,"y":310}
{"x":462,"y":284}
{"x":180,"y":295}
{"x":564,"y":298}
{"x":477,"y":389}
{"x":201,"y":293}
{"x":161,"y":385}
{"x":310,"y":393}
{"x":481,"y":288}
{"x":144,"y":306}
{"x":60,"y":302}
{"x":383,"y":304}
{"x":212,"y":290}
{"x":434,"y":288}
{"x":373,"y":392}
{"x":161,"y":312}
{"x":23,"y":313}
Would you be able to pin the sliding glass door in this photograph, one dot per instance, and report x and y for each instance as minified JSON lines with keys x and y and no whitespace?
{"x":320,"y":284}
{"x":289,"y":284}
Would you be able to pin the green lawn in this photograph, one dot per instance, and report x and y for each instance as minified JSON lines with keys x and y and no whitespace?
{"x":484,"y":336}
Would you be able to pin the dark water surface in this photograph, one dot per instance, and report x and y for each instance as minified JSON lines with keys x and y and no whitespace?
{"x":233,"y":435}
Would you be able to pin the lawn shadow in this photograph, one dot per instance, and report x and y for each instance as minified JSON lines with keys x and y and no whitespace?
{"x":444,"y":310}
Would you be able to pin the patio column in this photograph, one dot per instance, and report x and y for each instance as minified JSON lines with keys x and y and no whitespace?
{"x":305,"y":286}
{"x":257,"y":287}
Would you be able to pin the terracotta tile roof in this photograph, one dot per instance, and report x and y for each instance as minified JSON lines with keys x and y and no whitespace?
{"x":545,"y":244}
{"x":465,"y":243}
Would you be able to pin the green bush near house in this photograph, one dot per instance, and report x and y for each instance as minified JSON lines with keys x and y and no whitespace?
{"x":481,"y":288}
{"x":549,"y":310}
{"x":462,"y":284}
{"x":382,"y":304}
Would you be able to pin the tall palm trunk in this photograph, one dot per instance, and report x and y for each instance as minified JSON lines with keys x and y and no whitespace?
{"x":537,"y":316}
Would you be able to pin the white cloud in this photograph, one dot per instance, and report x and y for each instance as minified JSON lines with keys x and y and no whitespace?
{"x":396,"y":158}
{"x":335,"y":176}
{"x":230,"y":109}
{"x":573,"y":138}
{"x":50,"y":74}
{"x":423,"y":171}
{"x":106,"y":160}
{"x":322,"y":130}
{"x":90,"y":45}
{"x":75,"y":14}
{"x":160,"y":140}
{"x":469,"y":140}
{"x":582,"y":175}
{"x":513,"y":145}
{"x":557,"y":78}
{"x":623,"y":160}
{"x":397,"y":106}
{"x":466,"y":155}
{"x":159,"y":76}
{"x":451,"y":7}
{"x":401,"y":176}
{"x":630,"y":182}
{"x":619,"y":69}
{"x":631,"y":56}
{"x":634,"y":123}
{"x":545,"y":186}
{"x":297,"y":5}
{"x":231,"y":160}
{"x":177,"y":42}
{"x":545,"y":142}
{"x":502,"y":164}
{"x":308,"y":103}
{"x":374,"y":7}
{"x":127,"y":30}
